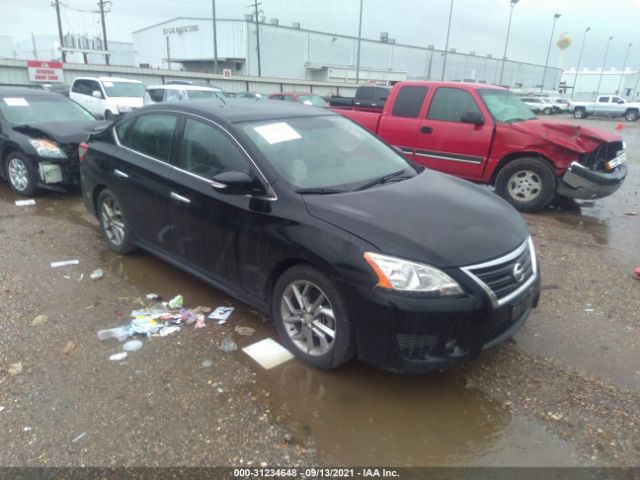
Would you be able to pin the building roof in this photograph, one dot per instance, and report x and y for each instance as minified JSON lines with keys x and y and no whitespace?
{"x":184,"y":86}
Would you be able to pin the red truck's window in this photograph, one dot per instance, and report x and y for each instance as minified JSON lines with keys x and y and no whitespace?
{"x":409,"y":102}
{"x":449,"y":104}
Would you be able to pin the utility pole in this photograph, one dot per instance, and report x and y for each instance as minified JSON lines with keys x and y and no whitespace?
{"x":359,"y":42}
{"x":255,"y":6}
{"x":506,"y":42}
{"x":604,"y":63}
{"x":215,"y":37}
{"x":624,"y":65}
{"x":101,"y":4}
{"x":56,"y":3}
{"x":575,"y":82}
{"x":446,"y":47}
{"x":546,"y":62}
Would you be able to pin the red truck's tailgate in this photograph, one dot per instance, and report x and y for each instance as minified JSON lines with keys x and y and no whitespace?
{"x":368,"y":120}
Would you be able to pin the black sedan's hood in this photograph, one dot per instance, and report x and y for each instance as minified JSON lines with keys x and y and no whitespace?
{"x":60,"y":132}
{"x":431,"y":218}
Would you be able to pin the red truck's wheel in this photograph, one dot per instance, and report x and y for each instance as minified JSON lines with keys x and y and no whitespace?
{"x":529,"y":184}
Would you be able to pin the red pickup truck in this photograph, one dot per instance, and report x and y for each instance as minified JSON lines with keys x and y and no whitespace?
{"x":487,"y":135}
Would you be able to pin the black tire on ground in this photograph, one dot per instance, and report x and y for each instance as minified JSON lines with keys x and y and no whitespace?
{"x":631,"y":115}
{"x":21,"y":173}
{"x":547,"y":111}
{"x":109,"y":116}
{"x":579,"y":113}
{"x":342,"y":348}
{"x":529,"y":184}
{"x":113,"y":223}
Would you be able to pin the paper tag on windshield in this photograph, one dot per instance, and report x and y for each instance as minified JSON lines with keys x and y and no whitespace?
{"x":277,"y":132}
{"x":16,"y":102}
{"x":107,"y":84}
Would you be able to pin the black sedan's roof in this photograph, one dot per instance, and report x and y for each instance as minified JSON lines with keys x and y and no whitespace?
{"x":26,"y":92}
{"x":231,"y":110}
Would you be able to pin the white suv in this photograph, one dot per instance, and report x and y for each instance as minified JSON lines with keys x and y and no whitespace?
{"x":178,"y":93}
{"x":107,"y":97}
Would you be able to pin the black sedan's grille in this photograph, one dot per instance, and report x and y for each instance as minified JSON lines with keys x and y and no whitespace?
{"x":505,"y":276}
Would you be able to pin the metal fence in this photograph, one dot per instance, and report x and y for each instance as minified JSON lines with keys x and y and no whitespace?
{"x":14,"y":72}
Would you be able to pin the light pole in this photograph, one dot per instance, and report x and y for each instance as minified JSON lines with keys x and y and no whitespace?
{"x":546,"y":62}
{"x":575,"y":82}
{"x":215,"y":37}
{"x":624,"y":65}
{"x":506,"y":42}
{"x":604,"y":61}
{"x":359,"y":42}
{"x":446,"y":47}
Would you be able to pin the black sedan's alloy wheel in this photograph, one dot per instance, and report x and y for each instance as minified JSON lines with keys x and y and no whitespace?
{"x":312,"y":319}
{"x":113,"y":224}
{"x":21,"y":174}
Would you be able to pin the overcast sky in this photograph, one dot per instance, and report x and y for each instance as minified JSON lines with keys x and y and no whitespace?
{"x":478,"y":25}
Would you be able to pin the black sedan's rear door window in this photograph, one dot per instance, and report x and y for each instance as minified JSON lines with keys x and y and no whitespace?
{"x":152,"y":135}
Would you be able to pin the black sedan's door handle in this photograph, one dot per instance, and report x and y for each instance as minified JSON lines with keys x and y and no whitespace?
{"x":180,"y":198}
{"x":426,"y":130}
{"x":120,"y":173}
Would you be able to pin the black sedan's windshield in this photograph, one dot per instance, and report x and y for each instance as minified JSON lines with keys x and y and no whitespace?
{"x":504,"y":106}
{"x":20,"y":110}
{"x":324,"y":154}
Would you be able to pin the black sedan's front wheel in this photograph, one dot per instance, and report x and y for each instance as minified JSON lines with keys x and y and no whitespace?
{"x":113,"y":223}
{"x":21,"y":173}
{"x":311,"y":318}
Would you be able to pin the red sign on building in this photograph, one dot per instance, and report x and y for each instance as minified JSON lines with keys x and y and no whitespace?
{"x":45,"y":71}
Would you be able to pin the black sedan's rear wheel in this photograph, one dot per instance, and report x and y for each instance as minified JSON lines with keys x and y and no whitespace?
{"x":311,"y":318}
{"x":21,"y":173}
{"x":113,"y":224}
{"x":529,"y":184}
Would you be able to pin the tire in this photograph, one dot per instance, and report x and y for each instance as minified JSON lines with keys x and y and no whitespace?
{"x":315,"y":287}
{"x":113,"y":223}
{"x":109,"y":116}
{"x":529,"y":184}
{"x":631,"y":115}
{"x":579,"y":113}
{"x":21,"y":173}
{"x":547,"y":111}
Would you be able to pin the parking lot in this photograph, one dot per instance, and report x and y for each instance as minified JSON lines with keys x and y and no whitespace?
{"x":564,"y":391}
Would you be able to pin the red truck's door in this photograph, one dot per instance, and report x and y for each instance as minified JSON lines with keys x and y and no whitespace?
{"x":447,"y":144}
{"x":399,"y":124}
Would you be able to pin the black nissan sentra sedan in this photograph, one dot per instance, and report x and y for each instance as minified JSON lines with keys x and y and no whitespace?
{"x":39,"y":136}
{"x":297,"y":211}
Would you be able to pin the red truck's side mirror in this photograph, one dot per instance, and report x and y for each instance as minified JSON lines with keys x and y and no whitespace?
{"x":472,"y":117}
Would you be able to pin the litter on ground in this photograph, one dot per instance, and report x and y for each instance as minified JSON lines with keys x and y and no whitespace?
{"x":221,"y":314}
{"x":15,"y":369}
{"x":205,"y":364}
{"x":244,"y":331}
{"x":116,"y":357}
{"x":636,"y":273}
{"x":39,"y":320}
{"x":268,"y":353}
{"x":79,"y":437}
{"x":64,"y":263}
{"x":24,"y":203}
{"x":97,"y":274}
{"x":1,"y":409}
{"x":176,"y":302}
{"x":132,"y":345}
{"x":228,"y":345}
{"x":69,"y":347}
{"x":168,"y":330}
{"x":153,"y":296}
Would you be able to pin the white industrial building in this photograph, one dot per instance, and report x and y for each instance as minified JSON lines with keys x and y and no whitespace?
{"x":293,"y":52}
{"x":585,"y":83}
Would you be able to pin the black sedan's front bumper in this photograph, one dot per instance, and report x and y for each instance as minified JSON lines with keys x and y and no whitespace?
{"x":580,"y":182}
{"x":416,"y":334}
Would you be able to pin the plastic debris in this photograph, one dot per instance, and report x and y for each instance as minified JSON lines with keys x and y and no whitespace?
{"x":81,"y":277}
{"x":79,"y":437}
{"x":168,"y":330}
{"x":200,"y":309}
{"x":245,"y":331}
{"x":116,"y":357}
{"x":64,"y":263}
{"x":631,"y":214}
{"x":120,"y":333}
{"x":24,"y":203}
{"x":200,"y":321}
{"x":176,"y":302}
{"x":636,"y":273}
{"x":153,"y":296}
{"x":132,"y":345}
{"x":15,"y":369}
{"x":268,"y":353}
{"x":69,"y":347}
{"x":27,"y":429}
{"x":143,"y":326}
{"x":97,"y":274}
{"x":221,"y":314}
{"x":39,"y":320}
{"x":228,"y":345}
{"x":1,"y":409}
{"x":205,"y":364}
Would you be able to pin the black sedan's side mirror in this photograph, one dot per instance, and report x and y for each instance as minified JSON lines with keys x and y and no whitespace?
{"x":233,"y":183}
{"x":472,"y":117}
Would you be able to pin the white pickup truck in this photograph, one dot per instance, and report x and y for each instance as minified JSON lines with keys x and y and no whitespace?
{"x":606,"y":106}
